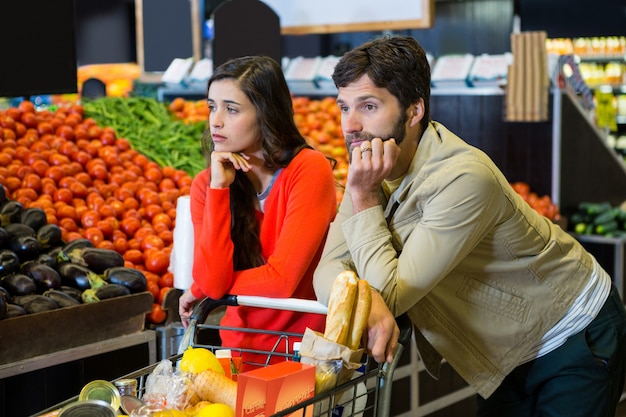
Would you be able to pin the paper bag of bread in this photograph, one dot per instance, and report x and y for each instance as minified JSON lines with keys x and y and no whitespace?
{"x":336,"y":353}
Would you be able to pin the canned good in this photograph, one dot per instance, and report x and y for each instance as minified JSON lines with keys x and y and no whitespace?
{"x":88,"y":408}
{"x":127,"y":386}
{"x":103,"y":391}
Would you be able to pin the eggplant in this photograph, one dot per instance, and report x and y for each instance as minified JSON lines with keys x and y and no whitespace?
{"x":3,"y":308}
{"x":61,"y":298}
{"x":96,"y":259}
{"x":111,"y":291}
{"x":78,"y":276}
{"x":46,"y":259}
{"x":48,"y":236}
{"x":21,"y":300}
{"x":10,"y":212}
{"x":76,"y":244}
{"x":34,"y":217}
{"x":9,"y":262}
{"x":39,"y":303}
{"x":132,"y":278}
{"x":75,"y":293}
{"x":19,"y":284}
{"x":4,"y":293}
{"x":5,"y":238}
{"x":13,"y":310}
{"x":18,"y":229}
{"x":54,"y":252}
{"x":3,"y":195}
{"x":45,"y":276}
{"x":25,"y":247}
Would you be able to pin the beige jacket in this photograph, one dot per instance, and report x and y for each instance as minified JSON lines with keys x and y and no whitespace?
{"x":481,"y":274}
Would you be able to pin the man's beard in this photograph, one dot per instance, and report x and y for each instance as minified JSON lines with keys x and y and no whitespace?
{"x":398,"y":132}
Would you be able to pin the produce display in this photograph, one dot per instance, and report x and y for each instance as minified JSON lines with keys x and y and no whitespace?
{"x":39,"y":272}
{"x":153,"y":130}
{"x":602,"y":219}
{"x":542,"y":204}
{"x":93,"y":184}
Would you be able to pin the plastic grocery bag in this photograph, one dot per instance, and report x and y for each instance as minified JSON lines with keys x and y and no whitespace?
{"x":181,"y":258}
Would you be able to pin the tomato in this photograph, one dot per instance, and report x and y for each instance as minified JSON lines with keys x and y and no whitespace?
{"x":157,"y":262}
{"x":63,"y":194}
{"x":162,"y":218}
{"x":130,"y":225}
{"x":90,"y":218}
{"x":94,"y":234}
{"x":157,"y":315}
{"x":153,"y":287}
{"x":162,"y":293}
{"x":166,"y":280}
{"x":152,"y":242}
{"x":133,"y":255}
{"x":121,"y":245}
{"x":106,"y":244}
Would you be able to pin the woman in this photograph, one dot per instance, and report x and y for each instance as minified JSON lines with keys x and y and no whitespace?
{"x":261,"y":209}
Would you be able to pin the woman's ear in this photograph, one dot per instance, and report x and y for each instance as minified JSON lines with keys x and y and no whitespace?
{"x":417,"y":113}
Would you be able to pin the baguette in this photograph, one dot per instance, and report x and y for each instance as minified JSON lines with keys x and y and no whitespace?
{"x":360,"y":314}
{"x":340,"y":306}
{"x":215,"y":387}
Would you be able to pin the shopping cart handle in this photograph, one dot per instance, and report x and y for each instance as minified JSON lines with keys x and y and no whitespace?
{"x":203,"y":308}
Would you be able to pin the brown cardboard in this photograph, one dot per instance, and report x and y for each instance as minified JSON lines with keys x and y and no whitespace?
{"x":52,"y":331}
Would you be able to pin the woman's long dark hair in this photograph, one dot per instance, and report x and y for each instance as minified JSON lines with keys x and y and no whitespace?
{"x":261,"y":79}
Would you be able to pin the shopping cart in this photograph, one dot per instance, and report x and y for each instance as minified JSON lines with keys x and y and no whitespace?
{"x":367,"y":394}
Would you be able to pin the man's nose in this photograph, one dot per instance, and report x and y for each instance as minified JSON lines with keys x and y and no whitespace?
{"x":350,"y":122}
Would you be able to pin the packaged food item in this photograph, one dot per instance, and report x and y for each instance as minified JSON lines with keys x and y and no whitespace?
{"x":126,"y":386}
{"x":103,"y":391}
{"x":88,"y":408}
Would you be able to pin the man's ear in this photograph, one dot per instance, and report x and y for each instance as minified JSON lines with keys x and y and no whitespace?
{"x":417,"y":113}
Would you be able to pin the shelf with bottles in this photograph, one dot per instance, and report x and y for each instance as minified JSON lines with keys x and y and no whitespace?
{"x":601,"y":60}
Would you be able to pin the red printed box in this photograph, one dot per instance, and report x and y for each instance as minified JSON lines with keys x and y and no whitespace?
{"x":266,"y":391}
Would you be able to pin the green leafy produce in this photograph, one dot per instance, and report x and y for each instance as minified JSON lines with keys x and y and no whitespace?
{"x":152,"y":130}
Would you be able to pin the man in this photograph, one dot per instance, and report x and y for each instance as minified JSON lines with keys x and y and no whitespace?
{"x":516,"y":305}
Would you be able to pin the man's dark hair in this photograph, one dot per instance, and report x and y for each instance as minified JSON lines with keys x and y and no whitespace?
{"x":397,"y":63}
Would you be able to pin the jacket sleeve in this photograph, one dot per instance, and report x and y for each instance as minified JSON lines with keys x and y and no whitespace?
{"x":297,"y":214}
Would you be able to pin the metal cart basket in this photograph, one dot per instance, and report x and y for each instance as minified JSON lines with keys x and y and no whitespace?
{"x":367,"y":394}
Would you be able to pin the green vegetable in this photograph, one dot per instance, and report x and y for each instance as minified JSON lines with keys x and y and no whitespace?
{"x":151,"y":130}
{"x":580,"y":228}
{"x":594,"y":209}
{"x":606,"y":216}
{"x":607,"y":227}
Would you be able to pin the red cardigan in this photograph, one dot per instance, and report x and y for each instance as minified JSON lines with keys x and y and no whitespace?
{"x":294,"y":224}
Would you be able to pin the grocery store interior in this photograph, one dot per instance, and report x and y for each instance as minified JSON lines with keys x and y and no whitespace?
{"x":123,"y":82}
